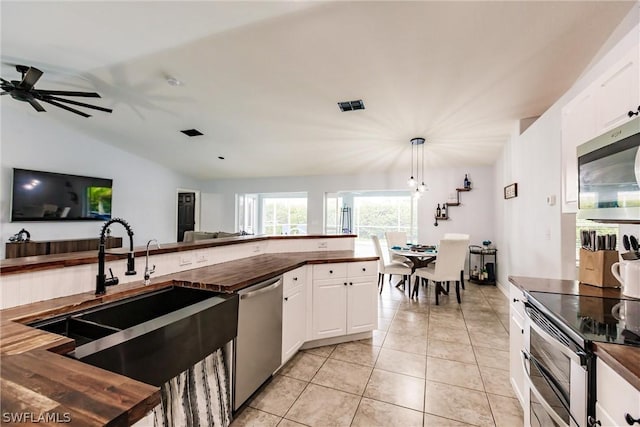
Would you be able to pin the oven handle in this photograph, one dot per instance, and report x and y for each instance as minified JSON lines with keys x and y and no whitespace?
{"x":547,"y":407}
{"x":575,"y":355}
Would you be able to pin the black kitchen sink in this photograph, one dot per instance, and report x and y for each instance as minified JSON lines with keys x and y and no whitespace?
{"x":81,"y":331}
{"x":151,"y":337}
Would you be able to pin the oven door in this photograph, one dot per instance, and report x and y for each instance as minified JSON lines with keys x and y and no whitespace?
{"x":556,"y":374}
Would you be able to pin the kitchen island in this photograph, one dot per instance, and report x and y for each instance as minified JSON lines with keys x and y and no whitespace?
{"x":37,"y":379}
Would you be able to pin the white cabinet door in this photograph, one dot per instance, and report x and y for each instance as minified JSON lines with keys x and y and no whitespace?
{"x":516,"y":344}
{"x":362,"y":307}
{"x":293,"y":322}
{"x":615,"y":397}
{"x":329,"y":308}
{"x":617,"y":93}
{"x":578,"y":126}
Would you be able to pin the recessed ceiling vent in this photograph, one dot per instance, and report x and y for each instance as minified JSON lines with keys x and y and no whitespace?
{"x":351,"y":105}
{"x":192,"y":132}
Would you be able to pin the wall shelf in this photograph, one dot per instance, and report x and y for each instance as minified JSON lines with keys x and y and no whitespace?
{"x":450,"y":204}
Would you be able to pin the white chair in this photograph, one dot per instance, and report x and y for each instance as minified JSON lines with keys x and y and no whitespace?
{"x":389,"y":267}
{"x":457,"y":236}
{"x":397,"y":238}
{"x":450,"y":266}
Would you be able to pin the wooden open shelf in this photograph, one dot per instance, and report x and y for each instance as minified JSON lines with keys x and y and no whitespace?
{"x":448,"y":204}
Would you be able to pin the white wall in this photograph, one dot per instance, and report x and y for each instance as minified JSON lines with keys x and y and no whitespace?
{"x":475,"y":216}
{"x":537,"y":239}
{"x":144,"y":193}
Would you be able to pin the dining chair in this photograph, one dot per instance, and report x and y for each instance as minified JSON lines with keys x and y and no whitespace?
{"x":451,"y":256}
{"x":397,"y":238}
{"x":389,"y":268}
{"x":457,"y":236}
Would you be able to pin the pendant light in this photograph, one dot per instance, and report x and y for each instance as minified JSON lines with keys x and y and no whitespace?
{"x":417,"y":144}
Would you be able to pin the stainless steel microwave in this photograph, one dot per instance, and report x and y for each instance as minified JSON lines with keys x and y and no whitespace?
{"x":608,"y":176}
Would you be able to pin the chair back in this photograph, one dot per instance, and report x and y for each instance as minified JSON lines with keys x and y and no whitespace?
{"x":451,"y":256}
{"x":379,"y":253}
{"x":396,"y":238}
{"x":456,"y":236}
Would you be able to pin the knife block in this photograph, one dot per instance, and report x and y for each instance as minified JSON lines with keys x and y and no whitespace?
{"x":595,"y":268}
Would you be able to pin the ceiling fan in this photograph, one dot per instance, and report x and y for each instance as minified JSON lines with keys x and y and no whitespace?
{"x":24,"y":91}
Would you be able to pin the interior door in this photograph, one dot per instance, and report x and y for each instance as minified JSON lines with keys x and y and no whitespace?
{"x":186,"y":213}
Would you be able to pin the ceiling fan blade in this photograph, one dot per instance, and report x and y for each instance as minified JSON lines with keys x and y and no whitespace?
{"x":30,"y":78}
{"x":81,"y":104}
{"x":64,"y":107}
{"x":67,"y":93}
{"x":36,"y":105}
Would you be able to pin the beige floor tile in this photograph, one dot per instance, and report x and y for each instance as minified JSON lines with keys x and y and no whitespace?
{"x":401,"y":362}
{"x":404,"y":342}
{"x":398,"y":389}
{"x":459,"y":335}
{"x":250,"y":417}
{"x":493,"y":326}
{"x":383,"y":324}
{"x":457,"y":403}
{"x":376,"y":339}
{"x":355,"y":352}
{"x":322,"y":406}
{"x":288,"y":423}
{"x":499,"y":341}
{"x":343,"y":376}
{"x":497,"y":381}
{"x":411,"y":315}
{"x":278,"y":396}
{"x":507,"y":412}
{"x":416,"y":328}
{"x":450,"y":351}
{"x":373,"y":413}
{"x":323,"y":351}
{"x":435,"y":421}
{"x":386,"y":313}
{"x":492,"y":358}
{"x":453,"y":322}
{"x":302,"y":366}
{"x":454,"y":373}
{"x":420,"y":306}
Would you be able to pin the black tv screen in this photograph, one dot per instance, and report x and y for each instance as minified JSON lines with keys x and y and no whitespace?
{"x":48,"y":196}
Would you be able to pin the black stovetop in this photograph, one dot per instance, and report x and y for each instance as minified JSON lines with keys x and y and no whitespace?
{"x":592,"y":318}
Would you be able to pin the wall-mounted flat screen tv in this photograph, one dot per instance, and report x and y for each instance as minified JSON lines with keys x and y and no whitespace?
{"x":48,"y":196}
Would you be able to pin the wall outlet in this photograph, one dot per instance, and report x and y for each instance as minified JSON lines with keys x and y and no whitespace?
{"x":322,"y":244}
{"x":201,"y":257}
{"x":186,"y":259}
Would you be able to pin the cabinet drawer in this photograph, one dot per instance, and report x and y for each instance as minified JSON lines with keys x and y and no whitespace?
{"x":292,"y":279}
{"x":329,"y":271}
{"x":363,"y":268}
{"x":615,"y":396}
{"x":515,"y":293}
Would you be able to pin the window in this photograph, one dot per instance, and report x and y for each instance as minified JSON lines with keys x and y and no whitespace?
{"x":272,"y":213}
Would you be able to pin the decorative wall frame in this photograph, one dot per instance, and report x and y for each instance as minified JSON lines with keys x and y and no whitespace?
{"x":511,"y":191}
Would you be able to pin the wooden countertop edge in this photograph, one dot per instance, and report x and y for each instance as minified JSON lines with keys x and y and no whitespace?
{"x":41,"y":343}
{"x":618,"y":356}
{"x":46,"y":262}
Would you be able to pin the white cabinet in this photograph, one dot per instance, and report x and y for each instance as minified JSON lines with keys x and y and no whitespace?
{"x":615,"y":397}
{"x":344,"y":299}
{"x":516,"y":344}
{"x":602,"y":106}
{"x":293,"y":312}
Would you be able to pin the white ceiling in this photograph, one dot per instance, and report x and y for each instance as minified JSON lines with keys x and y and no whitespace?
{"x":262,"y":79}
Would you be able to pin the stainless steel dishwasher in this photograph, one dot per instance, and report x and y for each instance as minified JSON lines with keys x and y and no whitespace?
{"x":258,"y":350}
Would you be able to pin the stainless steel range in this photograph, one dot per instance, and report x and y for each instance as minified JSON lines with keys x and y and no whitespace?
{"x":559,"y":361}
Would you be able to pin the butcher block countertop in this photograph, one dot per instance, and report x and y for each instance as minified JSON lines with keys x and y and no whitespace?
{"x":625,"y":360}
{"x":36,"y":378}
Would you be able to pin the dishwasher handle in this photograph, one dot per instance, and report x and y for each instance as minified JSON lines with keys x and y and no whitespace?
{"x":261,"y":288}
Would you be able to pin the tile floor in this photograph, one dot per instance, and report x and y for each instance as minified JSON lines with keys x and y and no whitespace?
{"x":426,"y":365}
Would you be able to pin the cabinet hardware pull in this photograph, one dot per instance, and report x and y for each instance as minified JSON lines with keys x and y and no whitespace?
{"x":364,"y":269}
{"x":330,"y":271}
{"x":516,"y":300}
{"x":630,"y":420}
{"x":295,"y":278}
{"x":286,"y":298}
{"x":591,"y":422}
{"x":345,"y":283}
{"x":350,"y":283}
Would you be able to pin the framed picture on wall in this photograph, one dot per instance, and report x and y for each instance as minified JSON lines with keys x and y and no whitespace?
{"x":511,"y":191}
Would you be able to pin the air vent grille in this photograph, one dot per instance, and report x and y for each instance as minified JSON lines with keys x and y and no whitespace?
{"x":192,"y":132}
{"x":351,"y":105}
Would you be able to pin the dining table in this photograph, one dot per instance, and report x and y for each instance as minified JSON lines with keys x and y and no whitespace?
{"x":420,"y":256}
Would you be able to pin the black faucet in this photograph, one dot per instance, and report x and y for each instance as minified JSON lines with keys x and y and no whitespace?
{"x":101,"y":279}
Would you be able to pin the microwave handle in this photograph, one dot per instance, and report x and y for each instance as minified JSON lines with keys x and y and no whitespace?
{"x":545,"y":405}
